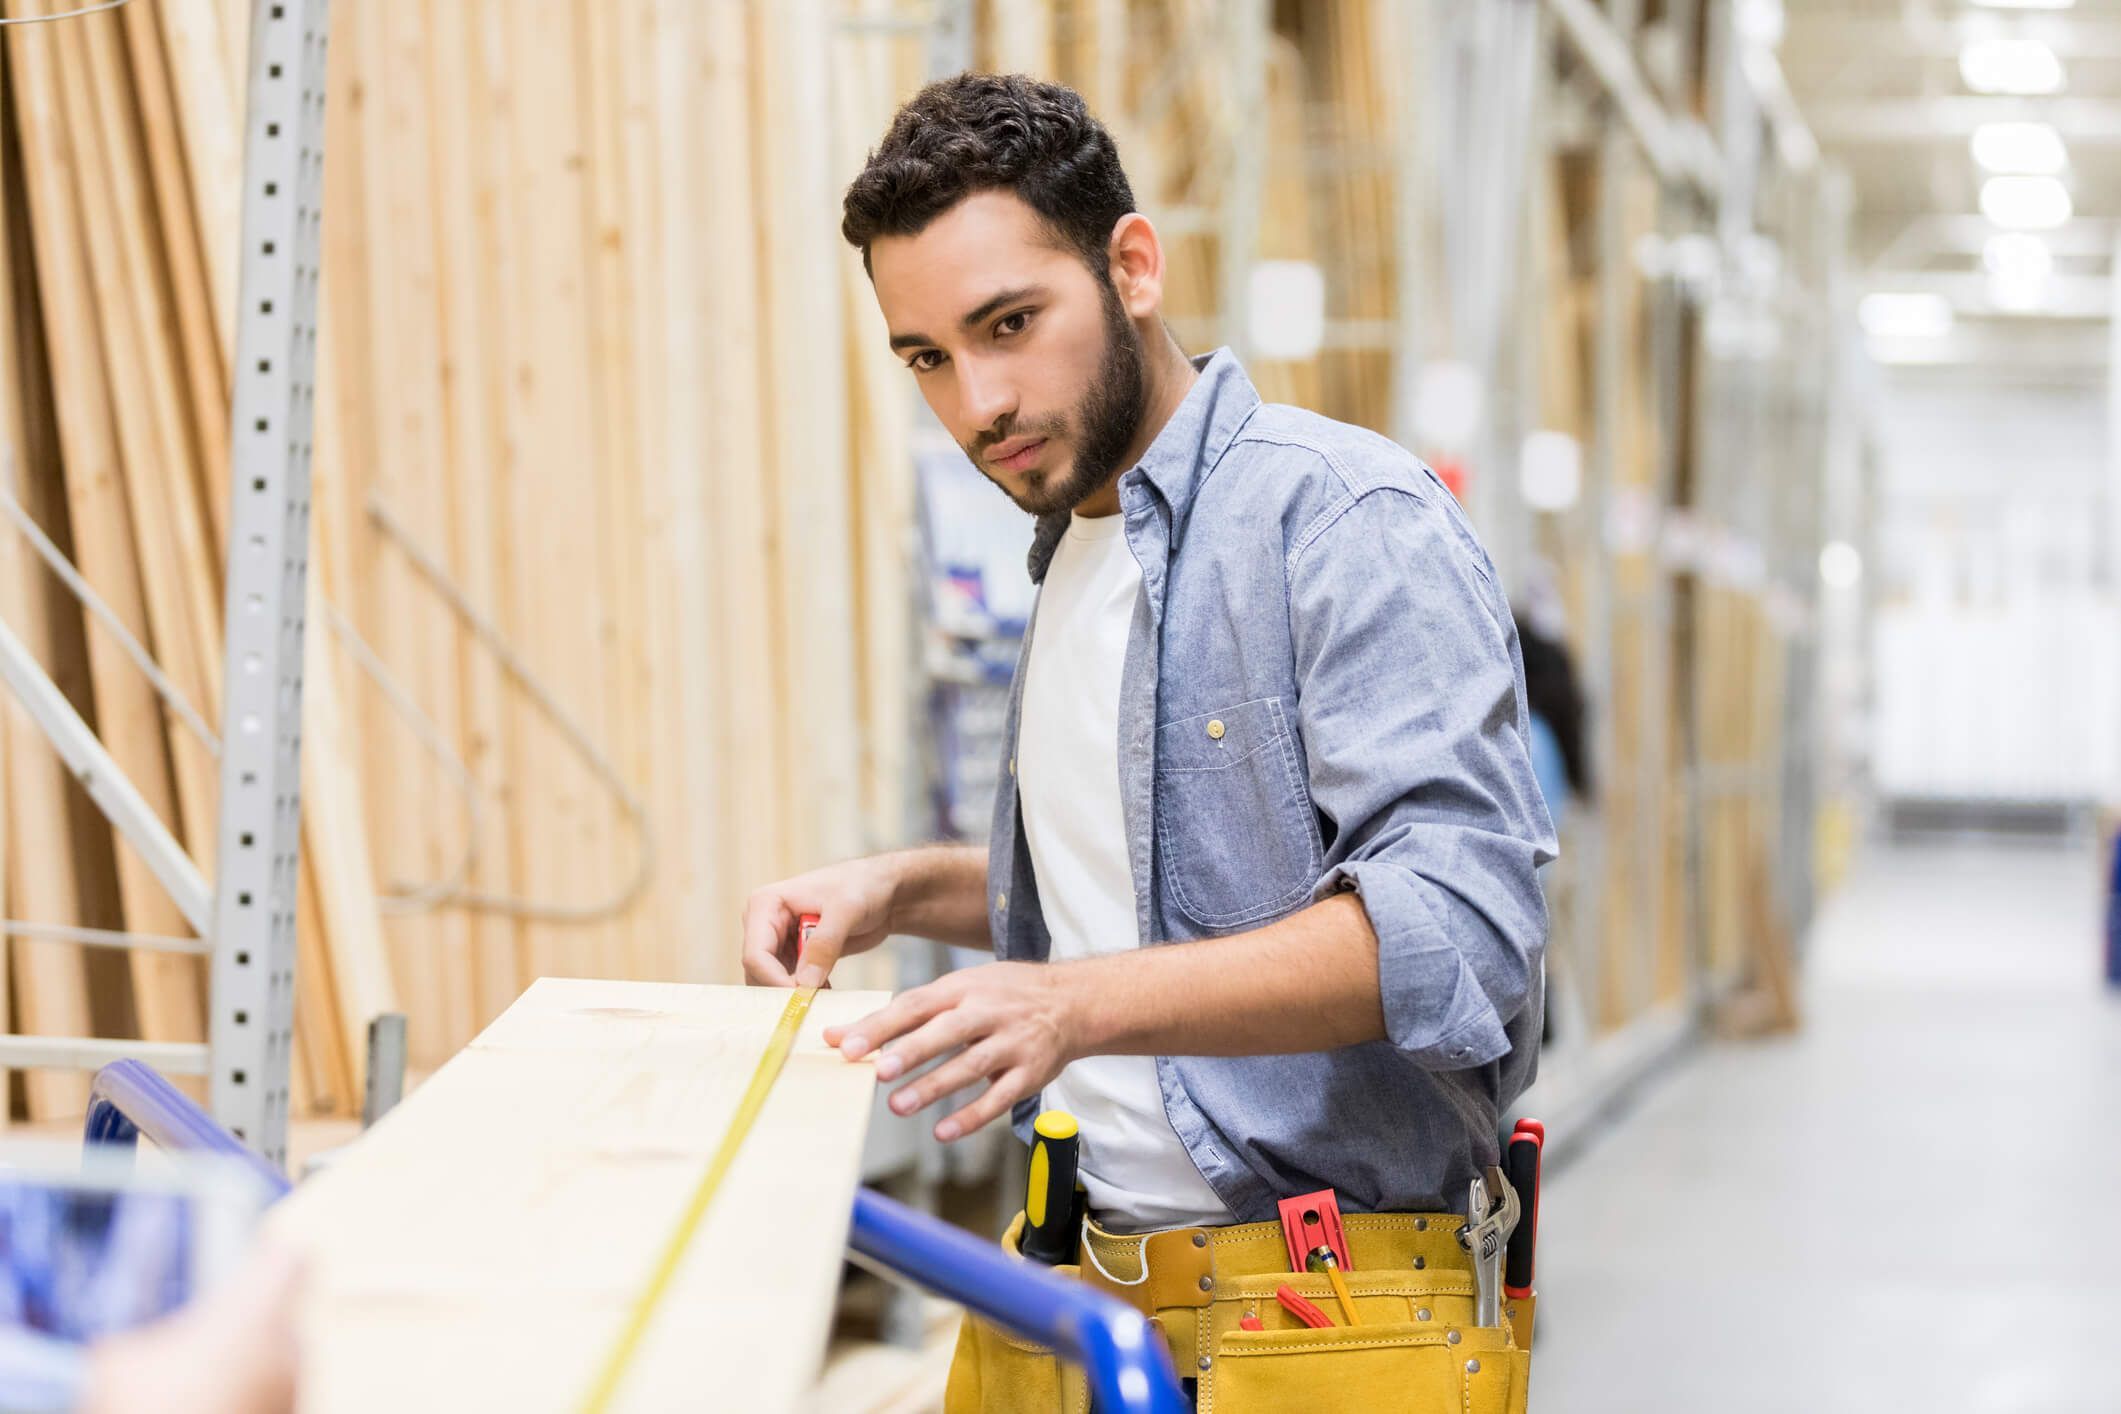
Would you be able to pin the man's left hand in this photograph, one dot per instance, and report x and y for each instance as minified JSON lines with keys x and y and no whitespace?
{"x":1008,"y":1023}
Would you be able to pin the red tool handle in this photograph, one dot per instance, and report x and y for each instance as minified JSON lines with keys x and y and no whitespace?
{"x":1301,"y":1309}
{"x":804,"y":926}
{"x":1520,"y":1164}
{"x":1310,"y":1222}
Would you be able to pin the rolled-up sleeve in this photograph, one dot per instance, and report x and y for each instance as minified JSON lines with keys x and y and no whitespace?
{"x":1411,"y":710}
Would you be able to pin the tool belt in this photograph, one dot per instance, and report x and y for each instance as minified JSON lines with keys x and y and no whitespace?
{"x":1416,"y":1348}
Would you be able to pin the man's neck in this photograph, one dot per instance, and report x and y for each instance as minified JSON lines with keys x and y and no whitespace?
{"x":1168,"y":378}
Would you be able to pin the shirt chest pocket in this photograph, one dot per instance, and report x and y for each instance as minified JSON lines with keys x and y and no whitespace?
{"x":1235,"y":836}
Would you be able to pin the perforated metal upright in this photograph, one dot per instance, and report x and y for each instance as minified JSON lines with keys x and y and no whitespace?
{"x":252,"y":1028}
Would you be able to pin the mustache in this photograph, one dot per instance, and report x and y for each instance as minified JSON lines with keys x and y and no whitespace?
{"x":1012,"y":427}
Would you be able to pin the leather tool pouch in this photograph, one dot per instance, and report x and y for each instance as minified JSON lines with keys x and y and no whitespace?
{"x":1416,"y":1349}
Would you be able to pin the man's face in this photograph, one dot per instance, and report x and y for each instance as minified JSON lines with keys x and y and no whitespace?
{"x":1026,"y":356}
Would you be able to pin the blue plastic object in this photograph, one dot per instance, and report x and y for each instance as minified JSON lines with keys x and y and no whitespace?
{"x":129,"y":1098}
{"x":1128,"y":1366}
{"x":2113,"y":918}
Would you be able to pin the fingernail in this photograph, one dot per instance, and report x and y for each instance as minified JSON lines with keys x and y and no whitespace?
{"x":946,"y":1131}
{"x":887,"y":1067}
{"x":832,"y":1035}
{"x":902,"y":1103}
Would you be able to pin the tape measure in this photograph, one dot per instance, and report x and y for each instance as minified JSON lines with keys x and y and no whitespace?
{"x":747,"y":1110}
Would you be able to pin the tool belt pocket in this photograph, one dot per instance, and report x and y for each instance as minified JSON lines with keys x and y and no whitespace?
{"x":1417,"y":1349}
{"x":993,"y":1371}
{"x":1412,"y":1366}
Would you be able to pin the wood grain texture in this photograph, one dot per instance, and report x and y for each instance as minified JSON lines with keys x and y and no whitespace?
{"x":480,"y":1248}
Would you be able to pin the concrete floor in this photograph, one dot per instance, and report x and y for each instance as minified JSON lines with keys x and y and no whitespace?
{"x":1913,"y":1205}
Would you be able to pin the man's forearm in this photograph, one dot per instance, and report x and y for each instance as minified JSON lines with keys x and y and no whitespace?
{"x":940,"y":892}
{"x":1306,"y":983}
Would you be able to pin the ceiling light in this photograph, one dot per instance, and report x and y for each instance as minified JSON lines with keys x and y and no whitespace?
{"x":1890,"y":315}
{"x":2013,"y":295}
{"x":1288,"y":315}
{"x":2027,"y":148}
{"x":2015,"y":255}
{"x":2018,"y":269}
{"x":2025,"y":203}
{"x":2024,"y":67}
{"x":1550,"y":471}
{"x":1840,"y":564}
{"x":1760,"y":22}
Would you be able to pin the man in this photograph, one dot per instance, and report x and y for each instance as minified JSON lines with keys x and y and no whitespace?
{"x":1263,"y":868}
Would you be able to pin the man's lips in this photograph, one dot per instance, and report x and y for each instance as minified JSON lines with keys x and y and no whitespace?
{"x":1020,"y":454}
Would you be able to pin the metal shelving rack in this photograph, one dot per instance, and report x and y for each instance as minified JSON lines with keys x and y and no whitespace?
{"x":245,"y":920}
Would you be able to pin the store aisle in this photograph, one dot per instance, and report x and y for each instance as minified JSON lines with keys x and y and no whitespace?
{"x":1913,"y":1205}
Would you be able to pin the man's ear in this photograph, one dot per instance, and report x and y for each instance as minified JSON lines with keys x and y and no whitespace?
{"x":1137,"y":264}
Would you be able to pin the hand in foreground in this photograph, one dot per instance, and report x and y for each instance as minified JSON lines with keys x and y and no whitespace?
{"x":231,"y":1352}
{"x":853,"y":905}
{"x":1008,"y":1023}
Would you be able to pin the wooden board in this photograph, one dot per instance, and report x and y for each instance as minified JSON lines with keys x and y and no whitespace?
{"x":481,"y":1247}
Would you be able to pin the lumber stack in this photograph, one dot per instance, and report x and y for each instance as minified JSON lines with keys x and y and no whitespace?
{"x":116,"y":403}
{"x":610,"y":486}
{"x":599,"y":355}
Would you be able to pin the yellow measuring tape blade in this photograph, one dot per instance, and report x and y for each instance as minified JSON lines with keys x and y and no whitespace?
{"x":747,"y":1110}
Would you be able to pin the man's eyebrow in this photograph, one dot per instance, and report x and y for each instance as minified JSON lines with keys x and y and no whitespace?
{"x":980,"y":315}
{"x":976,"y":316}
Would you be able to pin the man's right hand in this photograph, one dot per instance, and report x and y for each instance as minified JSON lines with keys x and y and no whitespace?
{"x":852,"y":902}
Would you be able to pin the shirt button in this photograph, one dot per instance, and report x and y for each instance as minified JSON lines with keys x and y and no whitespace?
{"x":1215,"y":730}
{"x":1012,"y":765}
{"x":1001,"y":903}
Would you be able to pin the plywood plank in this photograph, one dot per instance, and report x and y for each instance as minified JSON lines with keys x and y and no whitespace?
{"x":481,"y":1247}
{"x":51,"y":982}
{"x":561,"y":819}
{"x":467,"y":184}
{"x":737,"y":698}
{"x":416,"y":815}
{"x":179,"y":582}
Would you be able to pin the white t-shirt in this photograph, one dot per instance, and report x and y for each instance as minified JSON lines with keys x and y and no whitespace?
{"x":1136,"y":1171}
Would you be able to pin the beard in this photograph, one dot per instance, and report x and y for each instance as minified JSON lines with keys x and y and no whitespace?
{"x":1100,"y":428}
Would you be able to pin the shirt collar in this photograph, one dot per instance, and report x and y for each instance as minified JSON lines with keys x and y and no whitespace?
{"x":1193,"y":441}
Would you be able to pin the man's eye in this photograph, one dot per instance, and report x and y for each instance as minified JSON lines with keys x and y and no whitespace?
{"x":1014,"y":323}
{"x":926,"y":361}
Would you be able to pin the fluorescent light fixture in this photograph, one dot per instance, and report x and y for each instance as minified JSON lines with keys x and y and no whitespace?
{"x":2018,"y":270}
{"x":1288,"y":319}
{"x":2016,"y":296}
{"x":2025,"y":203}
{"x":1840,"y":564}
{"x":1760,"y":22}
{"x":2024,"y":67}
{"x":2026,"y":149}
{"x":2014,"y":255}
{"x":1550,"y":471}
{"x":1893,"y":315}
{"x":1450,"y":399}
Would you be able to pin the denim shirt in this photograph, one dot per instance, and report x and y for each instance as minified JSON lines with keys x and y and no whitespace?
{"x":1322,"y":691}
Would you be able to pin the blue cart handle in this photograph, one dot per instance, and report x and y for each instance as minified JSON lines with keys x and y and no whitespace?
{"x":128,"y":1098}
{"x":1127,"y":1362}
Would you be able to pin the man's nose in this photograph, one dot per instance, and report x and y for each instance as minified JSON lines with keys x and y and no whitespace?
{"x":984,"y":398}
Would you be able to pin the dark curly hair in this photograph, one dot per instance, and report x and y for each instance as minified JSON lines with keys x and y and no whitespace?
{"x":992,"y":132}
